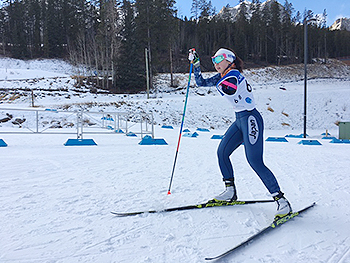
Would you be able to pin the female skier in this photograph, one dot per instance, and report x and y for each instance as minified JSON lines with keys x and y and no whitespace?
{"x":247,"y":128}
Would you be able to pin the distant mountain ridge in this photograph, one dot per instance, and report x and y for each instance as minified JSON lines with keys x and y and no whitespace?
{"x":231,"y":13}
{"x":341,"y":24}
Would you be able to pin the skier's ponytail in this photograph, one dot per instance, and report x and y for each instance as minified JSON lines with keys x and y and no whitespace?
{"x":239,"y":64}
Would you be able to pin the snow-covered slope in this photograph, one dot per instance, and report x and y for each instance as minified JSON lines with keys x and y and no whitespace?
{"x":55,"y":201}
{"x":279,"y":92}
{"x":12,"y":69}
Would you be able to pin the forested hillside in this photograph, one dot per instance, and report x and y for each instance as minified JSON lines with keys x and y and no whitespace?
{"x":112,"y":37}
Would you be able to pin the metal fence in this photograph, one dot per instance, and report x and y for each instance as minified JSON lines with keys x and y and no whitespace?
{"x":80,"y":122}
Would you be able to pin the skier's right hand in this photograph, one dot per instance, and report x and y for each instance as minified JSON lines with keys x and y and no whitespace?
{"x":193,"y":57}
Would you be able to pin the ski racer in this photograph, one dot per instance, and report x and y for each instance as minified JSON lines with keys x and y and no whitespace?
{"x":247,"y":128}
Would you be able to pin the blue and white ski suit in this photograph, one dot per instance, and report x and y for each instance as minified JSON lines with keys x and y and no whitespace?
{"x":247,"y":128}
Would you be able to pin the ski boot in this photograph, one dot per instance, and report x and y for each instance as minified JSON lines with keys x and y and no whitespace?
{"x":230,"y":193}
{"x":283,"y":206}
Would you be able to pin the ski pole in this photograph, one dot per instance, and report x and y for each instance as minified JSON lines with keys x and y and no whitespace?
{"x":182,"y":124}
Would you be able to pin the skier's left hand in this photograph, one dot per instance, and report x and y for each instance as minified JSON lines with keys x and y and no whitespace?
{"x":193,"y":57}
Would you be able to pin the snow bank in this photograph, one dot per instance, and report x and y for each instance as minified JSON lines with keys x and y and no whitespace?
{"x":279,"y":92}
{"x":56,"y":200}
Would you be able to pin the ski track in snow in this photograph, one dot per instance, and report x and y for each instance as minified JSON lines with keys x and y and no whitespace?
{"x":55,"y":201}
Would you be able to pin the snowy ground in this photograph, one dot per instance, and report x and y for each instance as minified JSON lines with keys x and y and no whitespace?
{"x":56,"y":200}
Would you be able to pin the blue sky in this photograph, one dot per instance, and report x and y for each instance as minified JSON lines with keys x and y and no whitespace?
{"x":334,"y":8}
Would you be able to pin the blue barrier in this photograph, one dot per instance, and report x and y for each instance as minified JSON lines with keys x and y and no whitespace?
{"x":339,"y":141}
{"x":296,"y":136}
{"x":309,"y":142}
{"x":3,"y":143}
{"x":107,"y":119}
{"x":148,"y":140}
{"x":217,"y":137}
{"x":276,"y":139}
{"x":167,"y":127}
{"x":54,"y":110}
{"x":203,"y":129}
{"x":80,"y":142}
{"x":192,"y":135}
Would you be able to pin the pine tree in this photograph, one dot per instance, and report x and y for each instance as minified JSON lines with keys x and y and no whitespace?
{"x":196,"y":9}
{"x":286,"y":35}
{"x":129,"y":64}
{"x":256,"y":36}
{"x":204,"y":32}
{"x":241,"y":32}
{"x":155,"y":26}
{"x":33,"y":28}
{"x":3,"y":41}
{"x":95,"y":33}
{"x":16,"y":26}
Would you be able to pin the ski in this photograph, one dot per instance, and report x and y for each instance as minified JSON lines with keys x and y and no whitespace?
{"x":273,"y":225}
{"x":210,"y":203}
